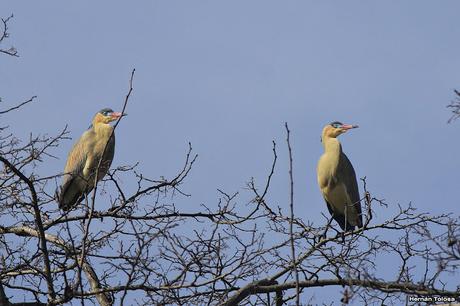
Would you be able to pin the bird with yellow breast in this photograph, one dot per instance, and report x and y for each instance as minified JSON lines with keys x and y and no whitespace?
{"x":337,"y":179}
{"x":92,"y":153}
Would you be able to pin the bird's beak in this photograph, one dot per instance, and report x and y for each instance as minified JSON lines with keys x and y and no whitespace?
{"x":347,"y":127}
{"x":116,"y":115}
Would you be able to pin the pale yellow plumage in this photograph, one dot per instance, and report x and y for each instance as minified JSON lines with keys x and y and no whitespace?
{"x":83,"y":159}
{"x":337,"y":179}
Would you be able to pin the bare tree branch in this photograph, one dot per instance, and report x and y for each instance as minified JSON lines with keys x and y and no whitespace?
{"x":454,"y":106}
{"x":291,"y":224}
{"x":136,"y":240}
{"x":17,"y":106}
{"x":4,"y":34}
{"x":38,"y":222}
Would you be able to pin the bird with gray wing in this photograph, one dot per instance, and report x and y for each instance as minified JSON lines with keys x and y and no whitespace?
{"x":337,"y":179}
{"x":95,"y":148}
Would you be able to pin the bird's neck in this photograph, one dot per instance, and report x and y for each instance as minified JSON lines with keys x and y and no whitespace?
{"x":103,"y":130}
{"x":332,"y":147}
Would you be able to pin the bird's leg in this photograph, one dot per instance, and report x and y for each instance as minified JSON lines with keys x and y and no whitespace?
{"x":369,"y":210}
{"x":328,"y":225}
{"x":87,"y":202}
{"x":324,"y":234}
{"x":56,"y":194}
{"x":87,"y":199}
{"x":346,"y":219}
{"x":346,"y":223}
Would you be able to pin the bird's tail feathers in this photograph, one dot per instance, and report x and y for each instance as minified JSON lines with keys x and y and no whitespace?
{"x":68,"y":199}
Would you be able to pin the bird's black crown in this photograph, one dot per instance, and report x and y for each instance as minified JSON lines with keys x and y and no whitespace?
{"x":336,"y":124}
{"x":106,"y":111}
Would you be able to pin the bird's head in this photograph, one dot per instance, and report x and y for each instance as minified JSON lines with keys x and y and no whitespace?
{"x":106,"y":115}
{"x":336,"y":128}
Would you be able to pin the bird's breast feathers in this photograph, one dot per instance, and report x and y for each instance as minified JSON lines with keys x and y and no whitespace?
{"x":95,"y":140}
{"x":326,"y":171}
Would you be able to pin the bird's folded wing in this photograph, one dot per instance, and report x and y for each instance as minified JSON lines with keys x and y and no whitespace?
{"x":75,"y":162}
{"x":346,"y":171}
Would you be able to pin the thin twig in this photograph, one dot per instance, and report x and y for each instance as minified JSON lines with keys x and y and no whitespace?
{"x":291,"y":205}
{"x":103,"y":299}
{"x":18,"y":106}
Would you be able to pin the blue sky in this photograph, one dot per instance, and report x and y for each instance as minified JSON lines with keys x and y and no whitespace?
{"x":226,"y":75}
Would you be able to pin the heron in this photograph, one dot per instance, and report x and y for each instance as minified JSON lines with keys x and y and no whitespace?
{"x":337,"y":179}
{"x":92,"y":153}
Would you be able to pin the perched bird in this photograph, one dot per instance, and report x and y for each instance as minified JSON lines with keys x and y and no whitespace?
{"x":85,"y":157}
{"x":337,"y":179}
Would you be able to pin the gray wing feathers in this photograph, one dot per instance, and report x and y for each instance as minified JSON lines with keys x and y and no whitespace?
{"x":72,"y":189}
{"x":347,"y":171}
{"x":81,"y":167}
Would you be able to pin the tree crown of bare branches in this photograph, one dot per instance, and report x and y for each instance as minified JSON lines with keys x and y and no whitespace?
{"x":142,"y":247}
